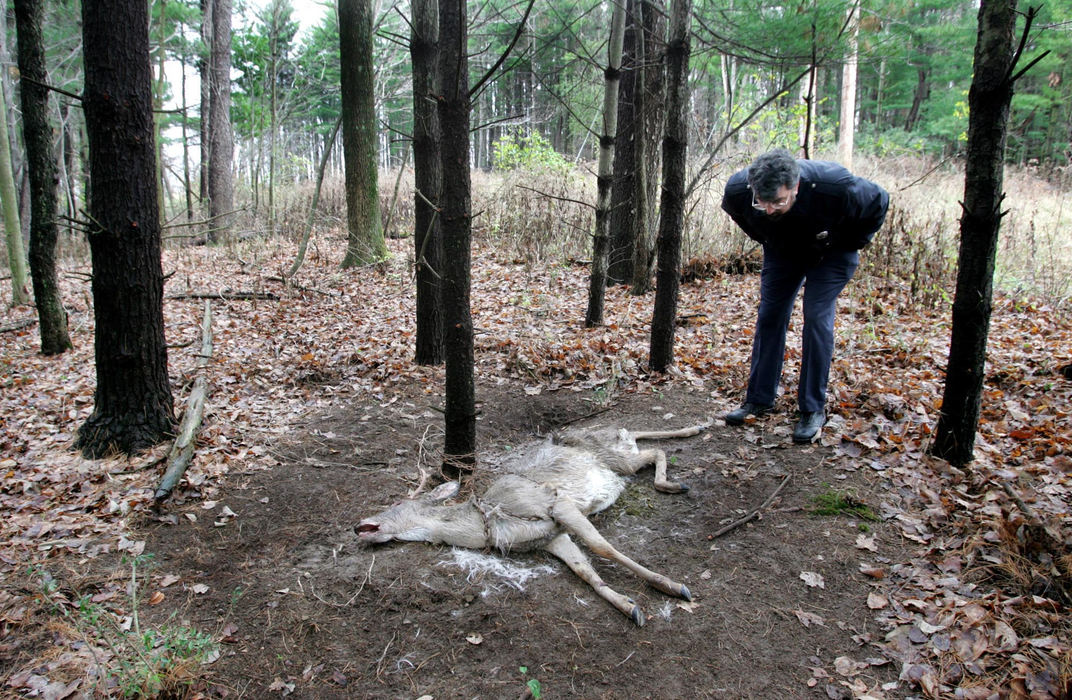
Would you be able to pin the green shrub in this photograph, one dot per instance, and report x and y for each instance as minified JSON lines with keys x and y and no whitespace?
{"x":528,"y":151}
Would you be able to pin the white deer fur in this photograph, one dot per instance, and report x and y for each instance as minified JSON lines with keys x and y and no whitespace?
{"x":541,"y":494}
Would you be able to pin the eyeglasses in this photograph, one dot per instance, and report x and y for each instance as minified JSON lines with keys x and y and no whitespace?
{"x":776,"y":204}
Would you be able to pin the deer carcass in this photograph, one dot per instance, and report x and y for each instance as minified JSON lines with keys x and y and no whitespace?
{"x":539,"y":496}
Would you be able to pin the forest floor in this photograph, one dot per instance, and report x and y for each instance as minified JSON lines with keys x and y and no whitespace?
{"x":877,"y":571}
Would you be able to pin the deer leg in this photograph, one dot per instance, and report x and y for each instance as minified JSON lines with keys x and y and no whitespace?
{"x":668,"y":434}
{"x":565,"y":549}
{"x":636,"y":462}
{"x":569,"y":516}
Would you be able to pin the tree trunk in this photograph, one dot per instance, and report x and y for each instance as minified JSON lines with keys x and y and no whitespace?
{"x":221,"y":139}
{"x":161,"y":86}
{"x":427,"y":175}
{"x":623,"y":192}
{"x":205,"y":73}
{"x":611,"y":75}
{"x":922,"y":92}
{"x":273,"y":108}
{"x":648,"y":131}
{"x":9,"y":202}
{"x":133,"y":403}
{"x":672,"y":207}
{"x":988,"y":102}
{"x":365,"y":242}
{"x":638,"y":224}
{"x":847,"y":114}
{"x":185,"y":121}
{"x":456,"y":211}
{"x":41,"y":164}
{"x":809,"y":98}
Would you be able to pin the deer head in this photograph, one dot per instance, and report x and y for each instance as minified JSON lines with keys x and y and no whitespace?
{"x":423,"y":519}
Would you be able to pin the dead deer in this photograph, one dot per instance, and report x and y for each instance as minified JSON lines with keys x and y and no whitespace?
{"x":539,"y":496}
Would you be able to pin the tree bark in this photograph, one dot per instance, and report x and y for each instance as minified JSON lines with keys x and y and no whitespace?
{"x":456,"y":213}
{"x":41,"y":164}
{"x":604,"y":179}
{"x":205,"y":71}
{"x":641,"y":101}
{"x":220,"y":136}
{"x":988,"y":101}
{"x":427,"y":175}
{"x":672,"y":207}
{"x":365,"y":243}
{"x":648,"y":131}
{"x":9,"y":202}
{"x":133,"y":404}
{"x":623,"y":203}
{"x":847,"y":114}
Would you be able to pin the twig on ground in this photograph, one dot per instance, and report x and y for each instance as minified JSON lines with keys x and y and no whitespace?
{"x":379,"y":662}
{"x":755,"y":512}
{"x":368,"y":577}
{"x":1027,"y":510}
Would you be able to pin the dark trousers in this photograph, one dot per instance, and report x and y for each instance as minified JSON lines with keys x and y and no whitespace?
{"x":780,"y":281}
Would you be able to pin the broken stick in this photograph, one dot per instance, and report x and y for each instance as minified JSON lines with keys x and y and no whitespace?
{"x":182,"y":451}
{"x":755,"y":512}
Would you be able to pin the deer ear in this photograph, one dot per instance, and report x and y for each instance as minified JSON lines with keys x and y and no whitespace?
{"x":443,"y":491}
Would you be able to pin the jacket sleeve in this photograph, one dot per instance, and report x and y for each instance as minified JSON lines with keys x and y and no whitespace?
{"x":866,"y":205}
{"x":737,"y":202}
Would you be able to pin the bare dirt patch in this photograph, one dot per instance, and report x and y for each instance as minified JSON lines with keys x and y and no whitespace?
{"x":306,"y":612}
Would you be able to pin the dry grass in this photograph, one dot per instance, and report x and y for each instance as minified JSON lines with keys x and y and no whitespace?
{"x":539,"y":217}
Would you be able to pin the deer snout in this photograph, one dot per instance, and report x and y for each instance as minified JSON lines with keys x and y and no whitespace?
{"x":368,"y":532}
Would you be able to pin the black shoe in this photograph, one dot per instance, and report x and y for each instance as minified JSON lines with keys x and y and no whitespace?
{"x":809,"y":428}
{"x":749,"y":409}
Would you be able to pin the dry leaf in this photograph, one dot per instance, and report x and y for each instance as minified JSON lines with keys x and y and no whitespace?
{"x":875,"y":572}
{"x":846,"y":666}
{"x":865,"y":542}
{"x":808,"y":619}
{"x":813,"y":579}
{"x":169,"y":580}
{"x":876,"y":601}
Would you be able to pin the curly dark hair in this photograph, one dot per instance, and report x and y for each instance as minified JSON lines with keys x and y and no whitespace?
{"x":772,"y":170}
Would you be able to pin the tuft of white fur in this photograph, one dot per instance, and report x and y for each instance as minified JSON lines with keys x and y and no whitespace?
{"x":666,"y":610}
{"x":478,"y":567}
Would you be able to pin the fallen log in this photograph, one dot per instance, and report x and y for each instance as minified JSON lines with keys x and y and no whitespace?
{"x":182,"y":450}
{"x":229,"y":296}
{"x":17,"y":325}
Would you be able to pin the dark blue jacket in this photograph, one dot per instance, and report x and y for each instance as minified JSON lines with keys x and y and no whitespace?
{"x":834,"y":209}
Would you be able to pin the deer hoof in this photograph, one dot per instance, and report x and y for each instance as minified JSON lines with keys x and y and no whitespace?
{"x":637,"y":616}
{"x":684,"y":593}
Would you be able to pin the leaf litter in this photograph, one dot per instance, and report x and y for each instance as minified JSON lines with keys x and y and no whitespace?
{"x":980,"y":609}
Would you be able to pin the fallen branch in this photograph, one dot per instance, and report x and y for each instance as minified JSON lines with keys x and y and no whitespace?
{"x":17,"y":325}
{"x":304,"y":245}
{"x":232,"y":296}
{"x":755,"y":512}
{"x":301,"y":287}
{"x":182,"y":451}
{"x":1028,"y":512}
